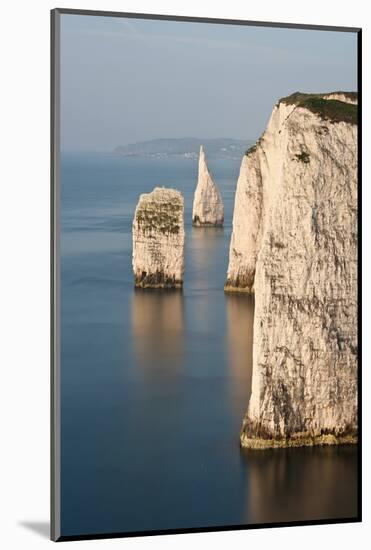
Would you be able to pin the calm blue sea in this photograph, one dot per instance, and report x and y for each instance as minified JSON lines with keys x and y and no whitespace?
{"x":154,"y":384}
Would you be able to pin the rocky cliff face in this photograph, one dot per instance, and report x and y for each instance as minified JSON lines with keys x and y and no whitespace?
{"x":208,"y":209}
{"x":158,"y":239}
{"x":294,"y":243}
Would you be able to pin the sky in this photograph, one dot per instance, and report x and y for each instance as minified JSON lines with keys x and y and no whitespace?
{"x":128,"y":80}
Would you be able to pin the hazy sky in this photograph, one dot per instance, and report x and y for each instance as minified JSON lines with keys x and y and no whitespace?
{"x":127,"y":80}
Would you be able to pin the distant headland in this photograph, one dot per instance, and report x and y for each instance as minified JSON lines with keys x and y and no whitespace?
{"x":188,"y":147}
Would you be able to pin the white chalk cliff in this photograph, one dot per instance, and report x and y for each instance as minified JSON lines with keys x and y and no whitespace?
{"x":158,"y":239}
{"x":294,"y":243}
{"x":208,"y":209}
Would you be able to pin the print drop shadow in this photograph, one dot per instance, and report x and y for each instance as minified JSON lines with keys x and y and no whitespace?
{"x":42,"y":528}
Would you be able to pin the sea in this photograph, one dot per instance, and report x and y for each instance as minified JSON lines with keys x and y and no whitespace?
{"x":154,"y":384}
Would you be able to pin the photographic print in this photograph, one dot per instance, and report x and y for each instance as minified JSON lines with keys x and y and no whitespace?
{"x":205,"y":190}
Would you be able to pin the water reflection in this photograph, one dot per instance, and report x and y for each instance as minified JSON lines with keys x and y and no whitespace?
{"x":157,"y":330}
{"x":301,"y":484}
{"x":204,"y":247}
{"x":240,"y":320}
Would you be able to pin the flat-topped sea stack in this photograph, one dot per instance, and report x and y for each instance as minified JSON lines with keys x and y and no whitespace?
{"x":208,"y":209}
{"x":294,"y":244}
{"x":158,"y":239}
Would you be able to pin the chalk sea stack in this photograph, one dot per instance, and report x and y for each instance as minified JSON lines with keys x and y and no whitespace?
{"x":294,"y":244}
{"x":208,"y":209}
{"x":158,"y":239}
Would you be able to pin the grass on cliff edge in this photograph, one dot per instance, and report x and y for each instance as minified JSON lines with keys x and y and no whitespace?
{"x":328,"y":109}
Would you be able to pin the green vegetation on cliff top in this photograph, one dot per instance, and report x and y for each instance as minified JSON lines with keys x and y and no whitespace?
{"x":160,"y":216}
{"x":328,"y":109}
{"x":332,"y":110}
